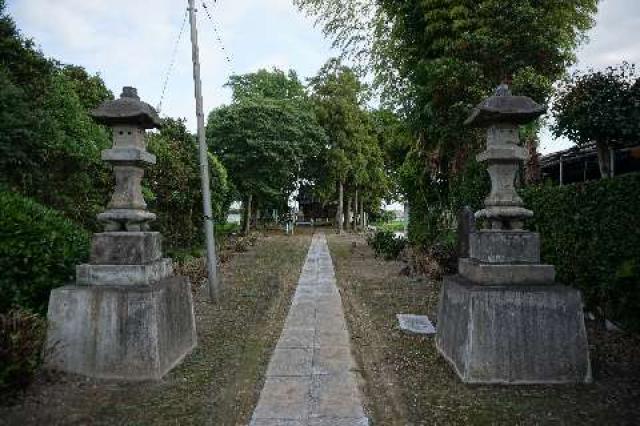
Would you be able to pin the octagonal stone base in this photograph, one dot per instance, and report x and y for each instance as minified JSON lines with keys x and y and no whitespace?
{"x":513,"y":334}
{"x":118,"y":332}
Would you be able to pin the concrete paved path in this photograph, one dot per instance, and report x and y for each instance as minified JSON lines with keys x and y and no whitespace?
{"x":310,"y":380}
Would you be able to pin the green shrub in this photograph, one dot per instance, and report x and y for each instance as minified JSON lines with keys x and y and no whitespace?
{"x":386,"y":244}
{"x":22,"y":335}
{"x":39,"y":249}
{"x":172,"y":187}
{"x":591,"y":233}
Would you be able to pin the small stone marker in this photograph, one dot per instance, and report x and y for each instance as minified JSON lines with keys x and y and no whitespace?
{"x":418,"y":324}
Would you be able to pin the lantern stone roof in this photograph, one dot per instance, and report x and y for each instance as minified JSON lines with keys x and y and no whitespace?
{"x":503,"y":107}
{"x":129,"y":109}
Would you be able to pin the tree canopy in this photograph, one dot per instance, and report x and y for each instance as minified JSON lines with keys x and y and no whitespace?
{"x":266,"y":136}
{"x":600,"y":107}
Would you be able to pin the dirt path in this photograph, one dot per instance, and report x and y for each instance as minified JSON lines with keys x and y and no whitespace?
{"x":218,"y":384}
{"x":408,"y":383}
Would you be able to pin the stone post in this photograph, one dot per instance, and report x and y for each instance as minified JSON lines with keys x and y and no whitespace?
{"x":128,"y":316}
{"x":503,"y":319}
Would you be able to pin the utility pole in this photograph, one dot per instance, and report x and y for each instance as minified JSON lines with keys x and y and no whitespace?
{"x":212,"y":264}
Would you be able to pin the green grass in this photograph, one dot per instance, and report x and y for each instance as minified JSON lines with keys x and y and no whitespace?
{"x":408,"y":382}
{"x":395,"y":226}
{"x":219,"y":383}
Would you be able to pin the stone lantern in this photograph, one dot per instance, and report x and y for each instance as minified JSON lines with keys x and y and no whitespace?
{"x":502,"y":318}
{"x":128,"y":316}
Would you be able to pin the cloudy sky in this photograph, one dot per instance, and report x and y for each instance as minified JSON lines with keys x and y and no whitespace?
{"x":130,"y":42}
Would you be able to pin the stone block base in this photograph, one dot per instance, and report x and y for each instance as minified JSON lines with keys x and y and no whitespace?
{"x":504,"y":246}
{"x":113,"y":332}
{"x":506,"y":274}
{"x":124,"y":275}
{"x":513,"y":334}
{"x":126,"y":248}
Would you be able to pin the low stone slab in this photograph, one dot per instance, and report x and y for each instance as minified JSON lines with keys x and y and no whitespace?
{"x":124,"y":275}
{"x":418,"y":324}
{"x":514,"y":274}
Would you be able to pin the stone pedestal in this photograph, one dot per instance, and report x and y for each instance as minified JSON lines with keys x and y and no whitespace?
{"x":503,"y":319}
{"x":116,"y":332}
{"x":128,"y":317}
{"x":510,"y":334}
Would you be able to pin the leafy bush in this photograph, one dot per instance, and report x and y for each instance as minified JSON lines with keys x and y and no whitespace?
{"x":22,"y":335}
{"x":172,"y":187}
{"x":39,"y":249}
{"x":590,"y":232}
{"x":386,"y":244}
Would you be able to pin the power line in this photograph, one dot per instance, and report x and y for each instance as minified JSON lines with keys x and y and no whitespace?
{"x":227,"y":56}
{"x":172,"y":61}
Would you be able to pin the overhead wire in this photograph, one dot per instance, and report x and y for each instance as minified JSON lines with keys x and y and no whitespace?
{"x":227,"y":56}
{"x":172,"y":62}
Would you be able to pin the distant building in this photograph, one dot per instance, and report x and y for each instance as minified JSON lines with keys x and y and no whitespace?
{"x":311,"y":208}
{"x":581,"y":164}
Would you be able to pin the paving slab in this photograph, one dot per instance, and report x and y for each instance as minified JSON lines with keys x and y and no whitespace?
{"x":418,"y":324}
{"x":312,"y":377}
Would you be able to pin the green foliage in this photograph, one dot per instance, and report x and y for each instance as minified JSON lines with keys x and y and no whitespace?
{"x":22,"y":336}
{"x":173,"y":186}
{"x":386,"y":244}
{"x":435,"y":59}
{"x":49,"y":147}
{"x":354,"y":156}
{"x":600,"y":107}
{"x":589,"y":231}
{"x":266,"y":136}
{"x":38,"y":252}
{"x":274,"y":84}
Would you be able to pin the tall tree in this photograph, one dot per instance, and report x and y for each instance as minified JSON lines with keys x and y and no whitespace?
{"x":435,"y":59}
{"x":338,"y":97}
{"x":266,"y":136}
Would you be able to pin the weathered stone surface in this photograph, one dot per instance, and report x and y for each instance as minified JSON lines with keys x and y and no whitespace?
{"x":466,"y":225}
{"x":290,"y":362}
{"x":127,"y":110}
{"x":284,"y":398}
{"x":311,"y":379}
{"x":130,"y":220}
{"x":505,"y":108}
{"x":336,"y":396}
{"x":124,"y":275}
{"x":125,"y":248}
{"x":513,"y":334}
{"x":418,"y":324}
{"x":506,"y":274}
{"x":495,"y":246}
{"x":132,"y":155}
{"x":131,"y":333}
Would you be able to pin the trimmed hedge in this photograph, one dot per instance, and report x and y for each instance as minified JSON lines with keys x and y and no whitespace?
{"x":591,"y":232}
{"x":39,"y":249}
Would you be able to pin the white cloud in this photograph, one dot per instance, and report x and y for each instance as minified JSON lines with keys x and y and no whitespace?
{"x":130,"y":43}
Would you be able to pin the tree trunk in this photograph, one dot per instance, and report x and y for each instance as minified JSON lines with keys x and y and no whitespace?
{"x":247,"y":215}
{"x":362,"y":225}
{"x":340,"y":205}
{"x":347,"y":218}
{"x":604,"y":159}
{"x":356,"y":221}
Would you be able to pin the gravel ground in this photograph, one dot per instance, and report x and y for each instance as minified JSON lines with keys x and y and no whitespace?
{"x":218,"y":384}
{"x":408,"y":383}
